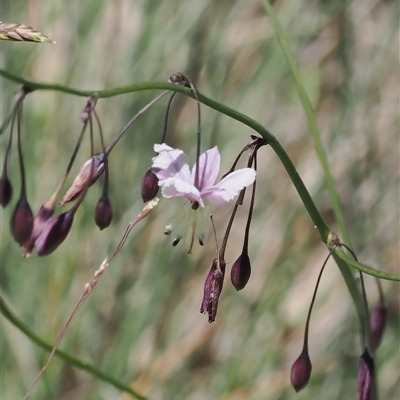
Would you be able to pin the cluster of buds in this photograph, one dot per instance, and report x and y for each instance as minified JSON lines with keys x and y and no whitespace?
{"x":45,"y":232}
{"x":373,"y":332}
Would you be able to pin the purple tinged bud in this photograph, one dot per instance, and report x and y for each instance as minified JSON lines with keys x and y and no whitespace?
{"x":378,"y":324}
{"x":176,"y":78}
{"x":5,"y":191}
{"x":54,"y":233}
{"x":301,"y":371}
{"x":39,"y":223}
{"x":149,"y":186}
{"x":103,"y":212}
{"x":241,"y":271}
{"x":22,"y":222}
{"x":365,"y":375}
{"x":212,"y":289}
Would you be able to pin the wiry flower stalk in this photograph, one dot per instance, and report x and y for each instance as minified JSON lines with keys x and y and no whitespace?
{"x":103,"y":212}
{"x":22,"y":33}
{"x":302,"y":367}
{"x":22,"y":218}
{"x":180,"y":79}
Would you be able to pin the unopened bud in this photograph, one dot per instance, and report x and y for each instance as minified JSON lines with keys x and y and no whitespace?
{"x":54,"y":233}
{"x":365,"y":375}
{"x":39,"y":223}
{"x":301,"y":371}
{"x":87,"y":176}
{"x":176,"y":78}
{"x":179,"y":79}
{"x":212,"y":289}
{"x":378,"y":324}
{"x":241,"y":271}
{"x":149,"y":186}
{"x":5,"y":191}
{"x":22,"y":222}
{"x":103,"y":212}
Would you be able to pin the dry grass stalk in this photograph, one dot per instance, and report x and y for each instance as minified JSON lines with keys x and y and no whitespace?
{"x":22,"y":33}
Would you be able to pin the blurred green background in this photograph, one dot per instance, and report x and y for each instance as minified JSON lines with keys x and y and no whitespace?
{"x":142,"y":323}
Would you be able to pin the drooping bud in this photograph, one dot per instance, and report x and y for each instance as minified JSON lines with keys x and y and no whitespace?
{"x":149,"y":186}
{"x":378,"y":323}
{"x":22,"y":221}
{"x":241,"y":271}
{"x":54,"y":233}
{"x":39,"y":223}
{"x":90,"y":170}
{"x":301,"y":371}
{"x":365,"y":375}
{"x":212,"y":289}
{"x":5,"y":191}
{"x":103,"y":212}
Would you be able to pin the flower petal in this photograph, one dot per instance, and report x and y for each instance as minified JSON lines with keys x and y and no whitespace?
{"x":209,"y":166}
{"x":175,"y":187}
{"x":230,"y":186}
{"x":170,"y":163}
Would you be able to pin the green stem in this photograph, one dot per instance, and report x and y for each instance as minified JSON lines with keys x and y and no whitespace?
{"x":316,"y":217}
{"x":5,"y":310}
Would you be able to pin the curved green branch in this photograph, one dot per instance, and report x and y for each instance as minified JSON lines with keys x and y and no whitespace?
{"x":313,"y":212}
{"x":76,"y":362}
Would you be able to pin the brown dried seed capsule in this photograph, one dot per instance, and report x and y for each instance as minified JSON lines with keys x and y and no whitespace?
{"x":241,"y":271}
{"x":54,"y":233}
{"x":22,"y":222}
{"x":103,"y":212}
{"x":5,"y":191}
{"x":301,"y":371}
{"x":91,"y":169}
{"x":149,"y":186}
{"x":212,"y":289}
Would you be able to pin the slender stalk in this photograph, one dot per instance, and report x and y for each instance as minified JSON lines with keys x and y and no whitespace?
{"x":164,"y":134}
{"x":20,"y":155}
{"x":131,"y":121}
{"x":253,"y":195}
{"x":103,"y":146}
{"x":198,"y":146}
{"x":305,"y":345}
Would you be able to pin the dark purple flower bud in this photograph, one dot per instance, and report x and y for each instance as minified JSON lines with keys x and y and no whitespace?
{"x":365,"y":375}
{"x":378,"y":323}
{"x":39,"y":223}
{"x":54,"y":233}
{"x":301,"y":371}
{"x":241,"y":271}
{"x":149,"y":186}
{"x":22,"y":222}
{"x":5,"y":191}
{"x":87,"y":176}
{"x":103,"y":212}
{"x":212,"y":289}
{"x":179,"y":79}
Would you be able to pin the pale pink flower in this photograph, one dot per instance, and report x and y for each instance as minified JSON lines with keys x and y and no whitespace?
{"x":176,"y":180}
